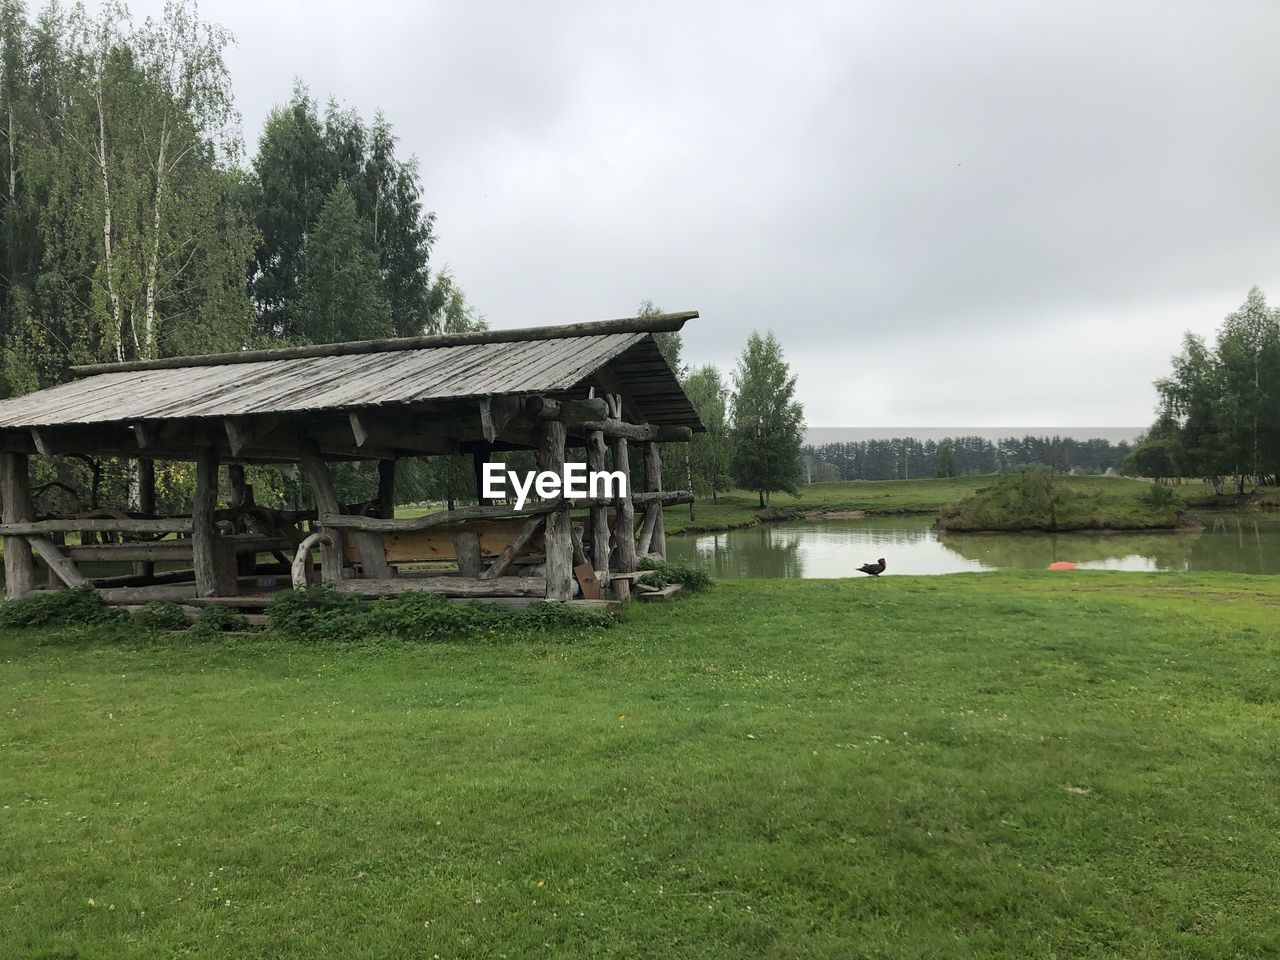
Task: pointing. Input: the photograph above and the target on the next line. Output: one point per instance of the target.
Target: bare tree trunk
(113, 295)
(153, 260)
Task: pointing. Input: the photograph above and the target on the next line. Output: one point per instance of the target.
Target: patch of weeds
(214, 621)
(662, 572)
(158, 617)
(317, 613)
(61, 608)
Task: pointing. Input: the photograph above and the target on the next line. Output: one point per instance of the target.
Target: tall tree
(340, 294)
(768, 422)
(710, 453)
(301, 158)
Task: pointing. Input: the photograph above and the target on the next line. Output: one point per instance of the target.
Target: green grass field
(995, 765)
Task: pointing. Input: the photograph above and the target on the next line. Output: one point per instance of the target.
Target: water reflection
(1239, 543)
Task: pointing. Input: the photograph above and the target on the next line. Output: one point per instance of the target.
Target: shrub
(59, 608)
(317, 613)
(1160, 497)
(662, 572)
(213, 621)
(160, 616)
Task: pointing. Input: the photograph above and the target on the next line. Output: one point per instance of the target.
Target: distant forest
(906, 458)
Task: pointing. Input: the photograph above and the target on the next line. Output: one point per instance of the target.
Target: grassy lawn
(995, 765)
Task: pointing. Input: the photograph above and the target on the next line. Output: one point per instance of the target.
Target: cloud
(961, 213)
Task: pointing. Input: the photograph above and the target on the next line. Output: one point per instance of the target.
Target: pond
(1239, 543)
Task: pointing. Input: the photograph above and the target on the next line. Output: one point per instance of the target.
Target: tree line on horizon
(1219, 413)
(909, 458)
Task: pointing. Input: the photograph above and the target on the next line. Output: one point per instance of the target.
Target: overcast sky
(952, 213)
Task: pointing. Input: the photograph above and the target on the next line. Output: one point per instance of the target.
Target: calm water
(1238, 543)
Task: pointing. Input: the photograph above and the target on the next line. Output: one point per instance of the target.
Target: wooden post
(387, 489)
(653, 483)
(600, 514)
(477, 470)
(557, 536)
(466, 547)
(332, 552)
(15, 490)
(241, 495)
(625, 530)
(146, 504)
(204, 535)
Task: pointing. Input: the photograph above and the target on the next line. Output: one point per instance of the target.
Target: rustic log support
(15, 491)
(213, 577)
(58, 562)
(146, 503)
(243, 432)
(652, 512)
(466, 548)
(653, 484)
(512, 549)
(495, 414)
(387, 489)
(573, 412)
(300, 571)
(557, 537)
(625, 531)
(332, 553)
(97, 525)
(599, 514)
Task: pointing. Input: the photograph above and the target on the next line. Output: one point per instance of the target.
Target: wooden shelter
(601, 386)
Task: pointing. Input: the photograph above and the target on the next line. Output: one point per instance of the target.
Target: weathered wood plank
(446, 517)
(97, 524)
(660, 323)
(449, 586)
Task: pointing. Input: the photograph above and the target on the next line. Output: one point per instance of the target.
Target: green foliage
(710, 453)
(61, 608)
(340, 295)
(160, 616)
(1038, 500)
(768, 423)
(318, 613)
(662, 572)
(1221, 403)
(945, 464)
(214, 621)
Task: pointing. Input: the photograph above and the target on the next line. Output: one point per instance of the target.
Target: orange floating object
(1062, 565)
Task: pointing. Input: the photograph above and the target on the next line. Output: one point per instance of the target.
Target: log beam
(204, 535)
(653, 484)
(599, 514)
(625, 530)
(557, 537)
(15, 492)
(332, 553)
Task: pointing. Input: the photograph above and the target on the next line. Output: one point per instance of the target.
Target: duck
(875, 569)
